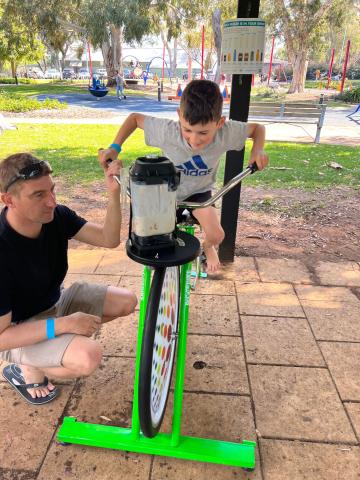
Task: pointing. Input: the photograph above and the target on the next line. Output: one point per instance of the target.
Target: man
(44, 329)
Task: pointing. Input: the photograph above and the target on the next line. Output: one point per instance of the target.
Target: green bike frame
(167, 444)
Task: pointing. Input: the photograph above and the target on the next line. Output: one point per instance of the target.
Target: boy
(194, 144)
(120, 84)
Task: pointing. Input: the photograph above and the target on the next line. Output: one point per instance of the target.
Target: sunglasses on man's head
(30, 172)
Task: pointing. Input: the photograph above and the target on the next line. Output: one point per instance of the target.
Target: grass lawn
(53, 88)
(72, 151)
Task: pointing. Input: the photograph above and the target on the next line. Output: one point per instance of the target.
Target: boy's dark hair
(201, 102)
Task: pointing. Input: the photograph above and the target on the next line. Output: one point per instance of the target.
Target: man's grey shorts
(80, 297)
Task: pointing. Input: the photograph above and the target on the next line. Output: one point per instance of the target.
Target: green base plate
(189, 448)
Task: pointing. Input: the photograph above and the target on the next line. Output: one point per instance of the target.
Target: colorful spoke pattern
(164, 343)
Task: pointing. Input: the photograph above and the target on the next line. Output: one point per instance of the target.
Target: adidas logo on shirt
(196, 167)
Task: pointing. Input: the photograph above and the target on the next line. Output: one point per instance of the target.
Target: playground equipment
(98, 88)
(163, 322)
(225, 94)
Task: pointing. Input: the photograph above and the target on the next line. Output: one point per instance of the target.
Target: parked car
(52, 73)
(69, 73)
(83, 73)
(100, 72)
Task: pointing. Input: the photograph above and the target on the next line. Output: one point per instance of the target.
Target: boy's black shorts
(197, 197)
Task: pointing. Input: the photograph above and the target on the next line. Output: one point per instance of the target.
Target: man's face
(200, 135)
(35, 200)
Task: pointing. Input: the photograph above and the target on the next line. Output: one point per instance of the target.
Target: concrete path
(280, 345)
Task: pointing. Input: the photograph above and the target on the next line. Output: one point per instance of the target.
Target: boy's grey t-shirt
(198, 170)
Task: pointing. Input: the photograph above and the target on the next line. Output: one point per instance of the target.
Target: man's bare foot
(34, 375)
(212, 260)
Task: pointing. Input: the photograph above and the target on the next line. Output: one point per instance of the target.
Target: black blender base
(186, 249)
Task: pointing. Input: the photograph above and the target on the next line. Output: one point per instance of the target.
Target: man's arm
(257, 133)
(24, 334)
(132, 122)
(107, 235)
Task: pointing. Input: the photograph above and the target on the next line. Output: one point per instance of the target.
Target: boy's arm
(132, 122)
(258, 156)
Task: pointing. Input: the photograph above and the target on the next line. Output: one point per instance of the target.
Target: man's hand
(79, 323)
(259, 157)
(104, 155)
(111, 167)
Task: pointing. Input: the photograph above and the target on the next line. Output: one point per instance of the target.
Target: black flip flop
(12, 373)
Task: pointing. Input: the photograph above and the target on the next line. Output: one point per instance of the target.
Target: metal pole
(345, 66)
(162, 76)
(239, 110)
(271, 59)
(202, 51)
(330, 68)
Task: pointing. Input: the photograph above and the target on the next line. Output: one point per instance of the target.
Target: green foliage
(11, 81)
(350, 96)
(18, 103)
(266, 93)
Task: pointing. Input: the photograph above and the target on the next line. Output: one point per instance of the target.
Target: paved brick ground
(281, 346)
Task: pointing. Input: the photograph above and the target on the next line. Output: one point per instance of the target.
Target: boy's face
(200, 135)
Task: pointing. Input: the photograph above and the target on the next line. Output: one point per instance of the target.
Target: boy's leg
(214, 235)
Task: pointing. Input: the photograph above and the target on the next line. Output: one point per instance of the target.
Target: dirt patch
(310, 226)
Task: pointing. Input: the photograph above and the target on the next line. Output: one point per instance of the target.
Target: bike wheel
(158, 348)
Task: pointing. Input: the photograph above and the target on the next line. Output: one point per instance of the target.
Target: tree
(18, 43)
(109, 23)
(300, 23)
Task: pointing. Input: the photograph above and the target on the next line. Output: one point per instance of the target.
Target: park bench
(292, 113)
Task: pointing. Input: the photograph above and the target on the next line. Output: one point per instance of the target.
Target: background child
(195, 144)
(120, 85)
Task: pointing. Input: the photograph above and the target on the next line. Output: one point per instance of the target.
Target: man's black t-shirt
(32, 270)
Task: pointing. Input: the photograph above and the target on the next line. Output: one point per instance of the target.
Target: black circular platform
(186, 250)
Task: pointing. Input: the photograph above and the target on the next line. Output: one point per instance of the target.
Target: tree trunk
(116, 42)
(299, 64)
(216, 24)
(106, 50)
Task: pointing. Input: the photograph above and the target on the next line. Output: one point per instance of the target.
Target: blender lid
(153, 170)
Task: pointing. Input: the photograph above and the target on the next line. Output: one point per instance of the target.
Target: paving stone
(280, 341)
(343, 360)
(325, 294)
(343, 273)
(283, 270)
(298, 403)
(77, 462)
(243, 269)
(221, 417)
(334, 320)
(215, 364)
(213, 286)
(26, 430)
(84, 261)
(309, 461)
(91, 278)
(165, 468)
(119, 336)
(353, 410)
(116, 262)
(12, 474)
(106, 393)
(268, 299)
(214, 314)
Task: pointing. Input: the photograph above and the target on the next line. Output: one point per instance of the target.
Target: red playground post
(202, 52)
(271, 59)
(345, 66)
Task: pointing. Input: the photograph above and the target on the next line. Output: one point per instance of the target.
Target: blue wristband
(50, 328)
(116, 147)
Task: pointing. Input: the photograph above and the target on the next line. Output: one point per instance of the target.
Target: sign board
(243, 46)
